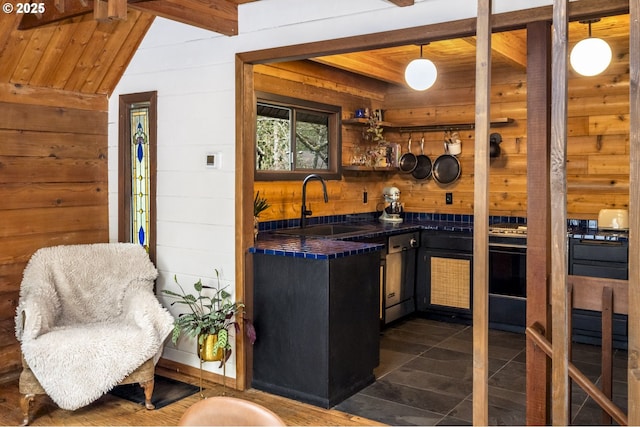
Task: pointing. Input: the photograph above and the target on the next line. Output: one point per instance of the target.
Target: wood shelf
(355, 168)
(365, 122)
(503, 121)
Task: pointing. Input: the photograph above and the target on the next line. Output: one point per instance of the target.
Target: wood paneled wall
(598, 149)
(53, 186)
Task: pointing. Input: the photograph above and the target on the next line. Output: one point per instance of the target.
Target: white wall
(193, 71)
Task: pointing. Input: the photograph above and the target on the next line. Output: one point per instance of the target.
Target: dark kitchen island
(316, 313)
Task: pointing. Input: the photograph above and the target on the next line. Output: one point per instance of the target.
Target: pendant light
(421, 73)
(591, 56)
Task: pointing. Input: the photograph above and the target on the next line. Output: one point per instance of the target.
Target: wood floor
(110, 410)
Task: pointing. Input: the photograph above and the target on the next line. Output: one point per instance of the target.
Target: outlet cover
(448, 198)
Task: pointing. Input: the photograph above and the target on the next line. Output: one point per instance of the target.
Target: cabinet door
(444, 281)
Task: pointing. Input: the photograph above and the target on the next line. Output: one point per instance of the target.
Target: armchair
(88, 320)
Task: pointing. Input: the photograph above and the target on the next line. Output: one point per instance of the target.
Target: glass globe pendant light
(421, 73)
(591, 56)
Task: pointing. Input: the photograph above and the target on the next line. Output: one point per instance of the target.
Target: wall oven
(507, 277)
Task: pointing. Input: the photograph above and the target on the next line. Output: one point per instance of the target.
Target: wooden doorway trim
(244, 100)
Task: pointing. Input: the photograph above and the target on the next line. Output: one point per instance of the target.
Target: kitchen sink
(328, 230)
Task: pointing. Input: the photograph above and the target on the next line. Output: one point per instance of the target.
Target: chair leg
(148, 392)
(25, 404)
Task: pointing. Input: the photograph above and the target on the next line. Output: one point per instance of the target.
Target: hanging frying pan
(423, 164)
(408, 161)
(446, 169)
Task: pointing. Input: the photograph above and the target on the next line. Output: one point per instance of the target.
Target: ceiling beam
(509, 46)
(62, 9)
(220, 16)
(366, 64)
(65, 9)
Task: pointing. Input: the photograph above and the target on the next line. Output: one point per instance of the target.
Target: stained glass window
(140, 178)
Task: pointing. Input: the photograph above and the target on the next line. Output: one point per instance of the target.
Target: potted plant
(209, 318)
(259, 205)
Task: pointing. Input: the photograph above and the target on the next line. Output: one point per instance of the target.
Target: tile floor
(425, 377)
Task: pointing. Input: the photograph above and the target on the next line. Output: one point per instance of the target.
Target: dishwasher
(398, 271)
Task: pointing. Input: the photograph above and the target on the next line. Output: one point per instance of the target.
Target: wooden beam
(440, 31)
(402, 3)
(65, 9)
(514, 49)
(538, 215)
(220, 16)
(508, 46)
(633, 375)
(559, 298)
(481, 215)
(364, 63)
(109, 10)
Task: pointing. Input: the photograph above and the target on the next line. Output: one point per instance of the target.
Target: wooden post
(607, 349)
(538, 215)
(481, 218)
(558, 179)
(633, 376)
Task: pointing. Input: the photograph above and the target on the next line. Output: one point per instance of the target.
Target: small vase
(205, 350)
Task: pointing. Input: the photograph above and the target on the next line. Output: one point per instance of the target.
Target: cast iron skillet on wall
(446, 168)
(423, 166)
(408, 161)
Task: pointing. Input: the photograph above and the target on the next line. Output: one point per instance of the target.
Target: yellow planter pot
(205, 350)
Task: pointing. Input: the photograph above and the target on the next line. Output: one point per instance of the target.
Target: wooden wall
(53, 186)
(598, 152)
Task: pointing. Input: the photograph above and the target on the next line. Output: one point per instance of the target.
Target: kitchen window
(295, 138)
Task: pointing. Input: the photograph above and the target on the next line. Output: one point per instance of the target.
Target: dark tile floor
(425, 377)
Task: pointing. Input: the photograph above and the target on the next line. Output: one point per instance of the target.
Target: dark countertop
(368, 239)
(309, 247)
(348, 244)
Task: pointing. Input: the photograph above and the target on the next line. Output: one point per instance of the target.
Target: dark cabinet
(318, 326)
(597, 258)
(444, 275)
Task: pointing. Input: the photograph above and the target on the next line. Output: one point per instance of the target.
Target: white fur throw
(90, 318)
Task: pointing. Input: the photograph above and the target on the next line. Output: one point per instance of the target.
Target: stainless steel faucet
(304, 212)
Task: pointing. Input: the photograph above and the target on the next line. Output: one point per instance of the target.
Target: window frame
(126, 103)
(334, 112)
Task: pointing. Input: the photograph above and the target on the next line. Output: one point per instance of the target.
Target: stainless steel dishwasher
(399, 266)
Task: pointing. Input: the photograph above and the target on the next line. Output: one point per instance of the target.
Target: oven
(507, 277)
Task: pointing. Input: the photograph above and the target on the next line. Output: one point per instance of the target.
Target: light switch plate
(214, 160)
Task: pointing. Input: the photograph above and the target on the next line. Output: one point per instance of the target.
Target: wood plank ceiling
(66, 48)
(454, 55)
